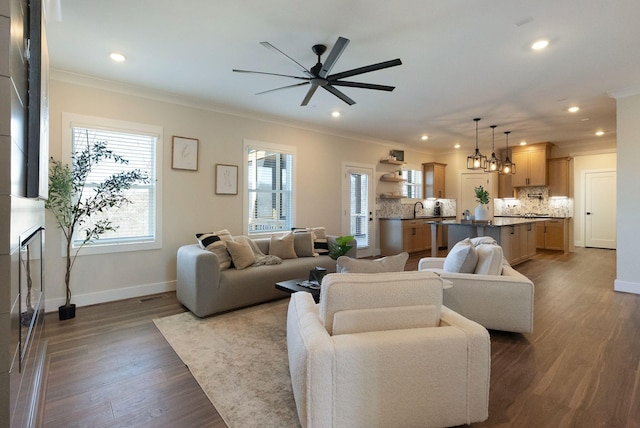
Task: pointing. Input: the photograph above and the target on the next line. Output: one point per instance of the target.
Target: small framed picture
(226, 179)
(184, 153)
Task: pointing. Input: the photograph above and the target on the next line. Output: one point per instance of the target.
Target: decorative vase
(482, 212)
(66, 312)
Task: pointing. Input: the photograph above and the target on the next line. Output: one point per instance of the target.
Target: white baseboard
(51, 305)
(626, 286)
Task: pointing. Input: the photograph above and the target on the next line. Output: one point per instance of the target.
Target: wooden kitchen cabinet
(505, 186)
(531, 165)
(397, 235)
(553, 235)
(518, 242)
(558, 169)
(433, 179)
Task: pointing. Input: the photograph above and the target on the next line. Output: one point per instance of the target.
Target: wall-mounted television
(38, 106)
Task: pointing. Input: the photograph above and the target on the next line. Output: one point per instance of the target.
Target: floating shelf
(392, 162)
(392, 179)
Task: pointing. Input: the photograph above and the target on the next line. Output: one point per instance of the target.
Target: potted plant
(341, 247)
(76, 211)
(482, 197)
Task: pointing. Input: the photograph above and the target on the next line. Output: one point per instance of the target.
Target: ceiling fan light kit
(476, 160)
(318, 75)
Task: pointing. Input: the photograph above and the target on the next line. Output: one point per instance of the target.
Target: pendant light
(493, 164)
(507, 166)
(476, 161)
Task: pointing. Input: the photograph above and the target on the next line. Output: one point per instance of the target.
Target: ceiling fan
(318, 76)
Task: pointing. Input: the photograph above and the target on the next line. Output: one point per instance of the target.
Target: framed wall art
(226, 179)
(184, 154)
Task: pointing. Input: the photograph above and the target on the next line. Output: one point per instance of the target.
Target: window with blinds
(137, 222)
(359, 211)
(412, 187)
(269, 190)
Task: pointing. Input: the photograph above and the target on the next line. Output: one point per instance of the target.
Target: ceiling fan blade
(363, 85)
(310, 92)
(270, 74)
(335, 53)
(300, 66)
(339, 94)
(283, 87)
(366, 69)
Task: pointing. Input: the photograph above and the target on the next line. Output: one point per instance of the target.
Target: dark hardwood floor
(110, 366)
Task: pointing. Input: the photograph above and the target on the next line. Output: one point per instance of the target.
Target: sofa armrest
(197, 279)
(431, 263)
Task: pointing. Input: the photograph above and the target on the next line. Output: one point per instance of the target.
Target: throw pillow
(482, 240)
(212, 242)
(303, 244)
(462, 258)
(282, 247)
(241, 254)
(386, 264)
(489, 259)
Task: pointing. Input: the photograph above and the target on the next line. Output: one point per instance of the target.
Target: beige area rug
(240, 361)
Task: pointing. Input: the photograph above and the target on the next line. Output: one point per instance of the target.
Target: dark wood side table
(291, 286)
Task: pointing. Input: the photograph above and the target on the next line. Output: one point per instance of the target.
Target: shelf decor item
(482, 210)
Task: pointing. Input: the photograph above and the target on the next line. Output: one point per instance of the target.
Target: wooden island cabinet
(410, 235)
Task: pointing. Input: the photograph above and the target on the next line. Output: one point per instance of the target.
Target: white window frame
(71, 120)
(261, 145)
(416, 185)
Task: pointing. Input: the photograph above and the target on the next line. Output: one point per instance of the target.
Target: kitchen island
(516, 236)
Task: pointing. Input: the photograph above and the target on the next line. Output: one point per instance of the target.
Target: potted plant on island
(341, 247)
(482, 210)
(76, 211)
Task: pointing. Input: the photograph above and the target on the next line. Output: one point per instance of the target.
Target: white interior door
(600, 209)
(358, 207)
(467, 196)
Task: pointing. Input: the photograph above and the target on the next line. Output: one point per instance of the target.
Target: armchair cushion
(381, 319)
(489, 259)
(462, 258)
(345, 292)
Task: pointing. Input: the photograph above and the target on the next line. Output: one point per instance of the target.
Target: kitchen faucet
(415, 206)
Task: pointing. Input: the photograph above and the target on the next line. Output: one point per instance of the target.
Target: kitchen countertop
(496, 222)
(422, 217)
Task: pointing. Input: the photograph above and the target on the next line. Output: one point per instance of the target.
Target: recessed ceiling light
(335, 114)
(600, 133)
(574, 109)
(457, 146)
(523, 143)
(424, 137)
(117, 57)
(540, 44)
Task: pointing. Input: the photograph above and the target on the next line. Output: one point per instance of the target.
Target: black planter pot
(66, 312)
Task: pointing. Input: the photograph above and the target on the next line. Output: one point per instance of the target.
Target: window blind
(136, 221)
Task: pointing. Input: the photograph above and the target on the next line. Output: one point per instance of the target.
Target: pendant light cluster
(477, 161)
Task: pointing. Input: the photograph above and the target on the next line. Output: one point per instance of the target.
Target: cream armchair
(498, 302)
(380, 350)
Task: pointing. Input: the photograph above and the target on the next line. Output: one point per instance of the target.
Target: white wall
(190, 202)
(581, 164)
(628, 196)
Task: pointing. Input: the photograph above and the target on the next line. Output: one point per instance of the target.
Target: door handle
(588, 213)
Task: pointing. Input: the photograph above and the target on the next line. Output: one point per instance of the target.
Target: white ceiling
(461, 59)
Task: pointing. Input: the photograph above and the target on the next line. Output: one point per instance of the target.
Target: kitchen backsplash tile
(534, 200)
(403, 208)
